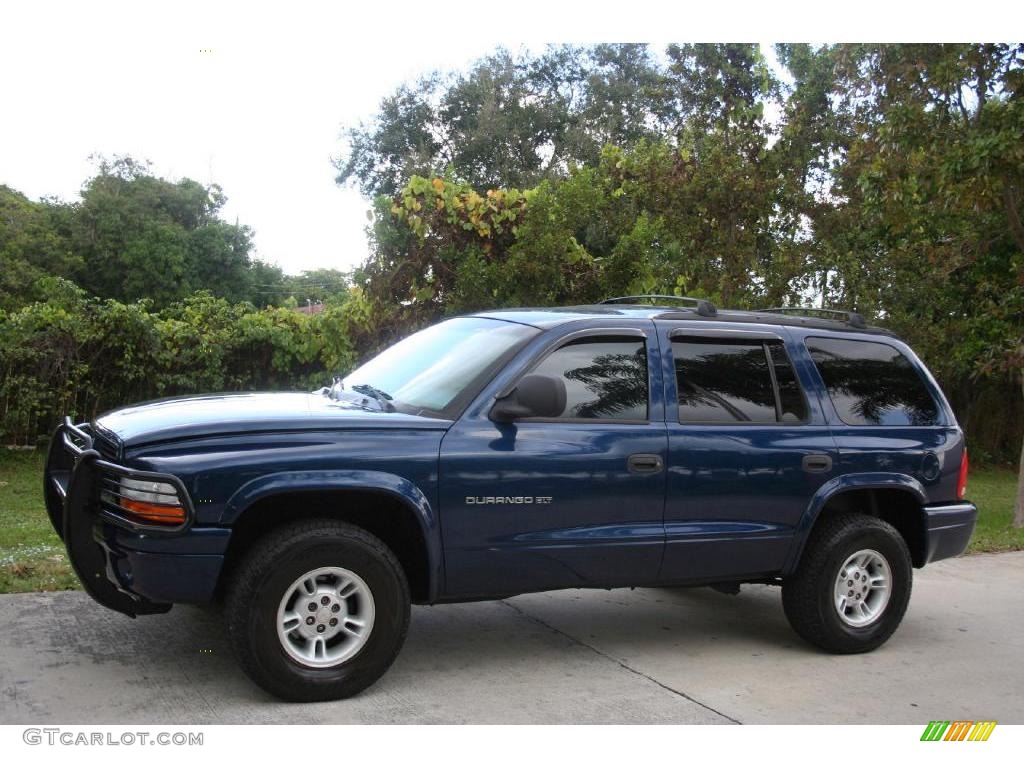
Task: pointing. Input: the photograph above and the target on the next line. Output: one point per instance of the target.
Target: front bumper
(948, 529)
(127, 567)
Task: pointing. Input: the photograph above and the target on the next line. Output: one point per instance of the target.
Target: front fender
(841, 484)
(403, 489)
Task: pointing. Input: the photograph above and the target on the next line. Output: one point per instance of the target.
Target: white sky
(262, 113)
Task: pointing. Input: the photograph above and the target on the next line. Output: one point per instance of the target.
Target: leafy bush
(81, 356)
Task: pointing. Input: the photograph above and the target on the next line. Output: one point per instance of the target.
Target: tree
(934, 162)
(140, 236)
(316, 286)
(888, 183)
(132, 236)
(510, 121)
(33, 244)
(723, 88)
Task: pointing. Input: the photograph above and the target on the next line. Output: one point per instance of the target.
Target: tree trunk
(1013, 214)
(1018, 510)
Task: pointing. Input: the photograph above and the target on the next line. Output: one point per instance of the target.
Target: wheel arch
(896, 498)
(390, 507)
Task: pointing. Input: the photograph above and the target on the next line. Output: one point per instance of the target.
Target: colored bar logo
(958, 730)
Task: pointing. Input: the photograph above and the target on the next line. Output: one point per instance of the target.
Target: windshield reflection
(431, 369)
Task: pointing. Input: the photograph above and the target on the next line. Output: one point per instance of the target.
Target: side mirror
(534, 395)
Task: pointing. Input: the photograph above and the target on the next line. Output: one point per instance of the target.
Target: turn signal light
(160, 514)
(147, 501)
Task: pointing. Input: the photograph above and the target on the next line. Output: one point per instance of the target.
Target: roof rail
(853, 319)
(704, 308)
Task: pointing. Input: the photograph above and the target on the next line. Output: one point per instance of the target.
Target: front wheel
(317, 611)
(852, 587)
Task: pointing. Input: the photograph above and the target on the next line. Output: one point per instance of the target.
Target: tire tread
(241, 590)
(801, 591)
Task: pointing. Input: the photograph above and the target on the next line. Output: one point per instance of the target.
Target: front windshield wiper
(382, 397)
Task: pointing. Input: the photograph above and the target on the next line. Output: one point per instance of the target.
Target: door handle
(816, 462)
(645, 463)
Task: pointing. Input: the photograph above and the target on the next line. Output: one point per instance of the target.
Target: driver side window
(605, 378)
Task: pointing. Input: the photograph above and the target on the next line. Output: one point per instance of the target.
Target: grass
(32, 558)
(993, 491)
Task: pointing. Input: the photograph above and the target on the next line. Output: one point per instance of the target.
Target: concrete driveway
(643, 656)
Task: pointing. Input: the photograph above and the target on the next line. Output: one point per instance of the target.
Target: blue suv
(644, 441)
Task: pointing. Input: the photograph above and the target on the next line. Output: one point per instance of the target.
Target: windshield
(430, 369)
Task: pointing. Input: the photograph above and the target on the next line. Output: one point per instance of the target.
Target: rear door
(887, 415)
(576, 500)
(748, 448)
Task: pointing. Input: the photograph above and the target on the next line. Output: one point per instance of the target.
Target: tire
(357, 583)
(868, 548)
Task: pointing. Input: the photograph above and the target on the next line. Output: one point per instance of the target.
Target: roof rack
(853, 319)
(704, 308)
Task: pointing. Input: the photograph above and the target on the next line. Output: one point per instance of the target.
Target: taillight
(961, 481)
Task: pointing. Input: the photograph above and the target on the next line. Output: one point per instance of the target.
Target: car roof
(549, 317)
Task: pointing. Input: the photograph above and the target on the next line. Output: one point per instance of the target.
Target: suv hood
(203, 415)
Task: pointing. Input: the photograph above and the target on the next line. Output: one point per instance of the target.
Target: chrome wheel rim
(862, 589)
(325, 617)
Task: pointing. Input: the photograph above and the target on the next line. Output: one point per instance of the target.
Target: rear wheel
(852, 587)
(318, 610)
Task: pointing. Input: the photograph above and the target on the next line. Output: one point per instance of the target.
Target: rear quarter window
(872, 384)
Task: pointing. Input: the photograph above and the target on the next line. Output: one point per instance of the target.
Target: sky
(261, 120)
(255, 97)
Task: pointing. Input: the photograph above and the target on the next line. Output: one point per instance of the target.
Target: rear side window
(605, 378)
(872, 384)
(729, 381)
(792, 406)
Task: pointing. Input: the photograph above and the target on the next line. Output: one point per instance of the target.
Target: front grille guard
(78, 442)
(74, 472)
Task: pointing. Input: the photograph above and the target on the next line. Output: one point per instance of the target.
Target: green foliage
(993, 490)
(80, 356)
(33, 244)
(925, 225)
(144, 237)
(315, 286)
(723, 88)
(439, 247)
(512, 121)
(690, 218)
(132, 236)
(883, 178)
(891, 182)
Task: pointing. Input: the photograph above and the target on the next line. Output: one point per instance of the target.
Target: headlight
(147, 490)
(148, 501)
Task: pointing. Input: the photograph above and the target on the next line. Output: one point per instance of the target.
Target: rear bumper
(948, 529)
(128, 568)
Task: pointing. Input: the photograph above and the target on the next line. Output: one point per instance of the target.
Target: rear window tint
(872, 384)
(730, 381)
(793, 406)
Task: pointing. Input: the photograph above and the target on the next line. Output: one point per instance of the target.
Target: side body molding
(887, 481)
(401, 488)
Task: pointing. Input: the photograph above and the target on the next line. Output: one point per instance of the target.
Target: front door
(576, 500)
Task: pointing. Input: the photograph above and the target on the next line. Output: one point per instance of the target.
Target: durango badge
(508, 499)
